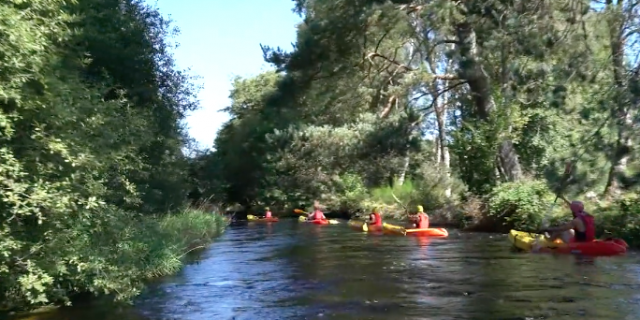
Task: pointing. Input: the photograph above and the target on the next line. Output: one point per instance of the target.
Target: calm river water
(289, 270)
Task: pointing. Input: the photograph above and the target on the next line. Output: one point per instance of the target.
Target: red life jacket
(377, 220)
(589, 227)
(267, 214)
(317, 215)
(423, 221)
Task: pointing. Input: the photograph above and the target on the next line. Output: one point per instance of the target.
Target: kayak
(427, 232)
(526, 241)
(358, 225)
(253, 218)
(319, 222)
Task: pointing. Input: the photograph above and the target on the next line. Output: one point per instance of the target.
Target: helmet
(576, 207)
(420, 209)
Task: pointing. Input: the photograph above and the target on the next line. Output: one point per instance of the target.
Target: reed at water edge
(180, 234)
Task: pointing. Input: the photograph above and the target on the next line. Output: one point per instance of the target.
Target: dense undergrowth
(115, 259)
(526, 205)
(91, 151)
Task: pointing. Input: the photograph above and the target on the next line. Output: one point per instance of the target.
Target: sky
(221, 39)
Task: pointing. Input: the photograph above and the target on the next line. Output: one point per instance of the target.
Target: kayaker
(420, 220)
(267, 213)
(374, 218)
(317, 213)
(580, 229)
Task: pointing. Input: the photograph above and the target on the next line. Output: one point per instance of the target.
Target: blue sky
(220, 39)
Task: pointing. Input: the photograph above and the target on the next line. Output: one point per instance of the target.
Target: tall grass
(112, 254)
(177, 235)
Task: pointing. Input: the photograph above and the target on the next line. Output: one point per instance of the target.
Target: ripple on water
(297, 271)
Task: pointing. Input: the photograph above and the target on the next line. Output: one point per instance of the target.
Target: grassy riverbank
(524, 205)
(116, 260)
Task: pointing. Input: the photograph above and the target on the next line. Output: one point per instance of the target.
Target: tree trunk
(620, 110)
(442, 151)
(471, 70)
(403, 173)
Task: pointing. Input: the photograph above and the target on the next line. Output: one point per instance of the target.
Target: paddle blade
(302, 219)
(365, 227)
(298, 211)
(251, 217)
(334, 221)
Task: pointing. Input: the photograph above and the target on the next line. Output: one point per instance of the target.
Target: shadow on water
(290, 270)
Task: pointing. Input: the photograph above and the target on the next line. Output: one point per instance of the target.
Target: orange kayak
(428, 232)
(318, 222)
(253, 218)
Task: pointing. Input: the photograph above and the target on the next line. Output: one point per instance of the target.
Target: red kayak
(531, 242)
(595, 248)
(319, 221)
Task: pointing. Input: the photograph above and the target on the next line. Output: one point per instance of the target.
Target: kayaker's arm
(567, 226)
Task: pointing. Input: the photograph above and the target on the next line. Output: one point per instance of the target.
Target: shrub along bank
(92, 140)
(524, 205)
(115, 259)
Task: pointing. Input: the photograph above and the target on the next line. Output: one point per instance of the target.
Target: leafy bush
(621, 219)
(520, 205)
(112, 255)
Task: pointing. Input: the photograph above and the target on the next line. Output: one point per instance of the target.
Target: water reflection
(290, 270)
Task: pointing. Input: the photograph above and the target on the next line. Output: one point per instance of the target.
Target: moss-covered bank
(115, 261)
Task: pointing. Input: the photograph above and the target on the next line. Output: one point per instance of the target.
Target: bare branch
(439, 93)
(411, 8)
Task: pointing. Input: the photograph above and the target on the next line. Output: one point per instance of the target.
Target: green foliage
(621, 219)
(464, 100)
(91, 139)
(113, 255)
(521, 205)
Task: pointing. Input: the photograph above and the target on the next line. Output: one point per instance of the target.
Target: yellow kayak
(360, 225)
(525, 240)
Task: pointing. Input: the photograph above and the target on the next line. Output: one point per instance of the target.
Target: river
(290, 270)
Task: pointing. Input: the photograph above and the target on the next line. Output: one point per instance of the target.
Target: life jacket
(377, 220)
(267, 214)
(317, 215)
(422, 221)
(589, 233)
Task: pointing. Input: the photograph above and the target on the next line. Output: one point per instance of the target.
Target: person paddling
(317, 213)
(267, 213)
(580, 229)
(374, 218)
(420, 220)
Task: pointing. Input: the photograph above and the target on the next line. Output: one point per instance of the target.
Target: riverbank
(525, 205)
(116, 260)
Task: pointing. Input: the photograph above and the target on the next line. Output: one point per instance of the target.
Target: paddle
(545, 222)
(406, 210)
(565, 178)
